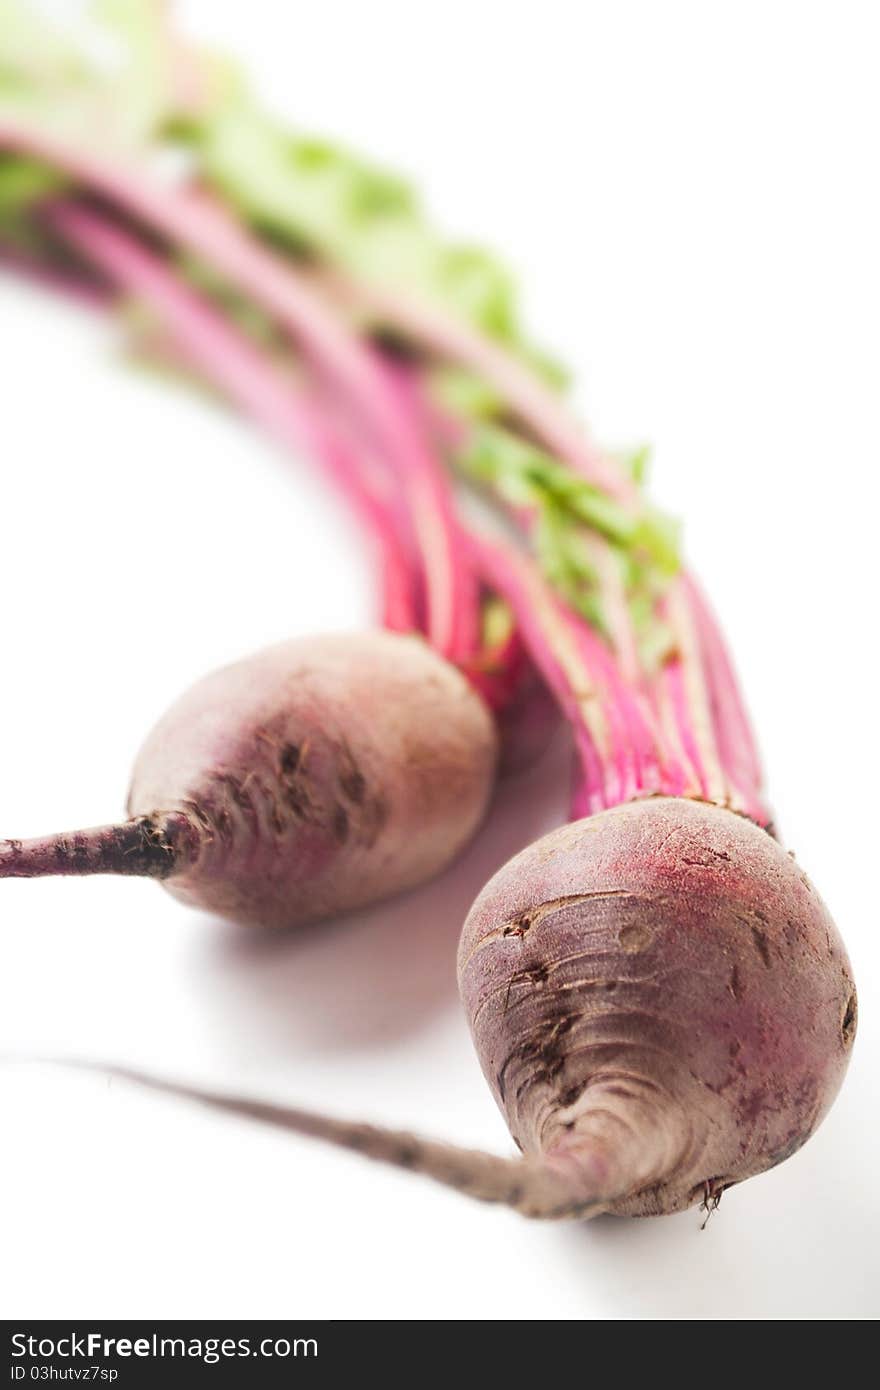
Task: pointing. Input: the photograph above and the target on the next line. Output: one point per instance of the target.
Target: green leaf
(244, 313)
(497, 621)
(463, 394)
(317, 197)
(566, 507)
(23, 182)
(636, 463)
(659, 536)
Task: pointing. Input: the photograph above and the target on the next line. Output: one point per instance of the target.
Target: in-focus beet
(658, 995)
(662, 1007)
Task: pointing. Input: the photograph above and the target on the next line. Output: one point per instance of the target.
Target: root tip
(145, 847)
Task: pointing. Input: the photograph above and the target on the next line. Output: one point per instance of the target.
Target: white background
(686, 191)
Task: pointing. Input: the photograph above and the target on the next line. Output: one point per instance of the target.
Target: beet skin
(660, 1001)
(315, 777)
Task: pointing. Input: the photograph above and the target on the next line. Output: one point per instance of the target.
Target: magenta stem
(683, 733)
(534, 404)
(240, 371)
(192, 221)
(732, 733)
(608, 720)
(74, 285)
(706, 748)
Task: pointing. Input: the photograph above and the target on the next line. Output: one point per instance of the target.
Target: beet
(312, 778)
(660, 999)
(661, 1005)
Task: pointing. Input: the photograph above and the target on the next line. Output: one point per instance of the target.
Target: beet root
(662, 1007)
(315, 777)
(660, 1002)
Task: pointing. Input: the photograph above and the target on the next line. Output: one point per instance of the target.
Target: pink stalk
(190, 220)
(450, 541)
(696, 691)
(614, 605)
(705, 744)
(625, 751)
(452, 435)
(652, 767)
(643, 761)
(240, 371)
(686, 686)
(674, 693)
(535, 405)
(71, 283)
(582, 675)
(398, 607)
(733, 731)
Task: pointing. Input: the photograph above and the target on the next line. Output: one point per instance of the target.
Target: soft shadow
(381, 974)
(798, 1242)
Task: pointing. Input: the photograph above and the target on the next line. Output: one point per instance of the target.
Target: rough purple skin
(661, 1005)
(660, 1002)
(315, 777)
